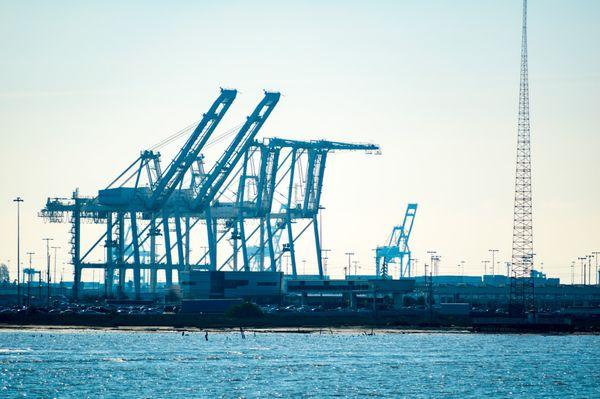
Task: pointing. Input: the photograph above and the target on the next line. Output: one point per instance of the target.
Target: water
(167, 365)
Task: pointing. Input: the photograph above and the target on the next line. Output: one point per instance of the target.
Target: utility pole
(29, 278)
(572, 272)
(48, 268)
(494, 252)
(18, 200)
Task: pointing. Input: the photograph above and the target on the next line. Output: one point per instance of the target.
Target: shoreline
(263, 330)
(349, 330)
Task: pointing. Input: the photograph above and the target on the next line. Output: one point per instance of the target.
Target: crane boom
(321, 144)
(217, 176)
(191, 149)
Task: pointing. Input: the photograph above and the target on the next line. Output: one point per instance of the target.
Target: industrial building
(349, 290)
(257, 286)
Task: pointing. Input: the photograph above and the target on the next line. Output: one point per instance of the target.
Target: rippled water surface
(168, 365)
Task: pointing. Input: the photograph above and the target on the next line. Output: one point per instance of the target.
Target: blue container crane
(397, 249)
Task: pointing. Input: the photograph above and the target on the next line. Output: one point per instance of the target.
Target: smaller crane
(397, 248)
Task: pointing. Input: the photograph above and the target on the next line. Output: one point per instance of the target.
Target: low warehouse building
(257, 286)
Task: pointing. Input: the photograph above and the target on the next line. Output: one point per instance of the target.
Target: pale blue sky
(85, 86)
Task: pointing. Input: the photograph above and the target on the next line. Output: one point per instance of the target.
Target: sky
(85, 86)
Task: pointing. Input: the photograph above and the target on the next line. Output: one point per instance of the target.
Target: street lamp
(18, 200)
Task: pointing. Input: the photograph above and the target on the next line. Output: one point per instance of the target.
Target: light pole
(47, 268)
(355, 263)
(431, 256)
(590, 269)
(582, 270)
(325, 259)
(349, 270)
(493, 251)
(18, 200)
(435, 266)
(596, 253)
(29, 278)
(572, 272)
(54, 273)
(485, 263)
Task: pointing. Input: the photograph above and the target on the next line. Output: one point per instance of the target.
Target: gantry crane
(397, 248)
(233, 198)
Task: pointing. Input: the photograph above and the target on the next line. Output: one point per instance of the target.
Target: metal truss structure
(397, 250)
(246, 211)
(522, 281)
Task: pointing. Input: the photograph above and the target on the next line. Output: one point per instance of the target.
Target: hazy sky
(85, 86)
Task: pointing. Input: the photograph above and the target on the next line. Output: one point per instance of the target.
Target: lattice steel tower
(522, 288)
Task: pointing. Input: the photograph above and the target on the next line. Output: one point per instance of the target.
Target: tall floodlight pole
(325, 253)
(590, 269)
(582, 273)
(494, 252)
(349, 254)
(29, 278)
(54, 271)
(47, 268)
(431, 259)
(596, 253)
(485, 263)
(521, 287)
(18, 200)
